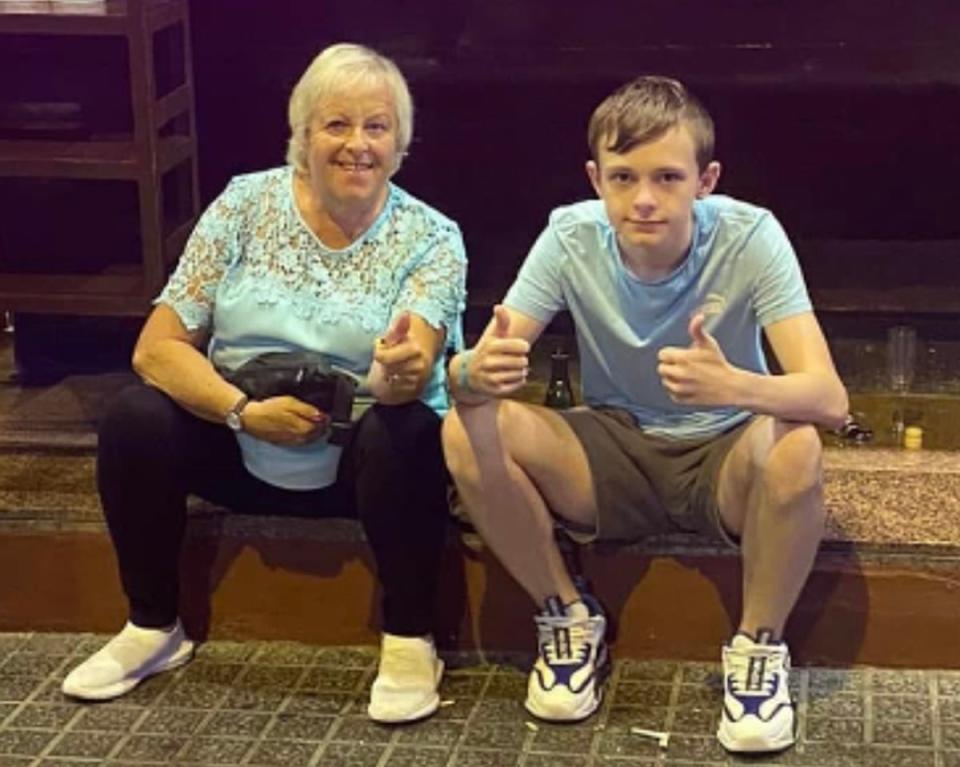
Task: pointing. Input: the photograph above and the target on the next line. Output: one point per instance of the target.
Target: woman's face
(352, 146)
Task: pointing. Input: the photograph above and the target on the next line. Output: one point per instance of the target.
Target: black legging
(152, 453)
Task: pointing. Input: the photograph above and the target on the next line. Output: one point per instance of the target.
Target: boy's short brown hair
(643, 110)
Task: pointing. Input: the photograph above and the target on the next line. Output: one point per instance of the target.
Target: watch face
(234, 422)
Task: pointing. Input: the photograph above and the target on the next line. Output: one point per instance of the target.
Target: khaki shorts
(647, 485)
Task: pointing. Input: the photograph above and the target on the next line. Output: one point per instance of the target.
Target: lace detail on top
(252, 239)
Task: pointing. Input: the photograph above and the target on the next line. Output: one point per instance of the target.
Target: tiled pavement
(260, 703)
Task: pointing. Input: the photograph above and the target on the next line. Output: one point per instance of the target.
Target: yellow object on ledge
(913, 438)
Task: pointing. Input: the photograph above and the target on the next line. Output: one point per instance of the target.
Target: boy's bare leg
(770, 493)
(511, 462)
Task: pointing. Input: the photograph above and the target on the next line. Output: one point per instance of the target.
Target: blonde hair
(340, 68)
(643, 110)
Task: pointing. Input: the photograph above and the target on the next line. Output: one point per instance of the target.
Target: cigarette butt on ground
(447, 702)
(662, 738)
(532, 727)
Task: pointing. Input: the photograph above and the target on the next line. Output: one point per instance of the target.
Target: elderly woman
(327, 255)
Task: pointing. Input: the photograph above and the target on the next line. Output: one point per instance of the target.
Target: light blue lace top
(256, 275)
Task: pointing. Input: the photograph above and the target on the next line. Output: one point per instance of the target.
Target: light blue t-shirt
(741, 271)
(257, 276)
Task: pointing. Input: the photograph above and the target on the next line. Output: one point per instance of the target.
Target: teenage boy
(684, 427)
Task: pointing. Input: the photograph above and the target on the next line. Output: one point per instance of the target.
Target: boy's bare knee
(792, 470)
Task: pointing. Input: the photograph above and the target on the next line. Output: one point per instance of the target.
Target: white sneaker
(406, 685)
(126, 660)
(566, 683)
(758, 714)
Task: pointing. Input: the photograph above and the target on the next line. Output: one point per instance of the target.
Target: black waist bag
(308, 376)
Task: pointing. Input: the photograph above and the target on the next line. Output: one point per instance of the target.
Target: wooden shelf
(118, 293)
(109, 18)
(915, 300)
(86, 159)
(144, 156)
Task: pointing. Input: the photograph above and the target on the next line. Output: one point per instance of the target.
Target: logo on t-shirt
(713, 306)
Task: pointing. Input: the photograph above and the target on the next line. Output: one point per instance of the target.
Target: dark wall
(842, 116)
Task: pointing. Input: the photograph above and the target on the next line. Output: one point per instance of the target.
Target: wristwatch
(233, 417)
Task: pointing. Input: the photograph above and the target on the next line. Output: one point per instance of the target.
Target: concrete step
(885, 591)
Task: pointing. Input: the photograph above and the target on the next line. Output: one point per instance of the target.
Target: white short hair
(337, 69)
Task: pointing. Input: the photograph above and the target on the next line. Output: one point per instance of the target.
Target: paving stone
(564, 738)
(362, 730)
(53, 644)
(286, 654)
(6, 709)
(281, 753)
(467, 757)
(825, 681)
(108, 717)
(948, 684)
(950, 736)
(404, 756)
(840, 706)
(186, 694)
(351, 755)
(44, 715)
(299, 727)
(643, 694)
(555, 760)
(900, 682)
(227, 652)
(878, 756)
(458, 685)
(347, 657)
(31, 664)
(215, 751)
(11, 642)
(91, 745)
(433, 733)
(497, 735)
(509, 686)
(237, 724)
(17, 688)
(314, 702)
(919, 733)
(24, 742)
(835, 730)
(655, 671)
(159, 748)
(897, 708)
(212, 672)
(290, 704)
(333, 679)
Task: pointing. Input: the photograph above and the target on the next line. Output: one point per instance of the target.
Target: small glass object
(559, 391)
(901, 356)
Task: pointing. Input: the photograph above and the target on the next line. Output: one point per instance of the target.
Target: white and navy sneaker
(566, 683)
(758, 714)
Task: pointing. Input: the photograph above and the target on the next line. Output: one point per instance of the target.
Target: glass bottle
(559, 391)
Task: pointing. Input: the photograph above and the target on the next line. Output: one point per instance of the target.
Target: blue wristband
(463, 375)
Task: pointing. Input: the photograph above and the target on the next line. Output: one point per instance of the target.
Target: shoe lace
(755, 672)
(563, 640)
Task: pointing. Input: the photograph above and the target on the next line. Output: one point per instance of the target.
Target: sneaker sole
(603, 671)
(578, 716)
(182, 656)
(756, 745)
(427, 710)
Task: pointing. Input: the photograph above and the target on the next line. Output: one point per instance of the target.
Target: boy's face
(648, 193)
